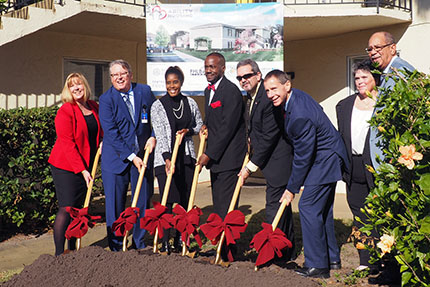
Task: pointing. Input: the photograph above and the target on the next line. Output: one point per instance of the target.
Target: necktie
(247, 115)
(211, 87)
(131, 112)
(129, 106)
(247, 121)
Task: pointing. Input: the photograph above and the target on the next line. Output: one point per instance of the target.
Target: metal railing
(405, 5)
(141, 3)
(13, 5)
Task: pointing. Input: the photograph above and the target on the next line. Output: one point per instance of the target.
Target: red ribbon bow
(268, 243)
(186, 223)
(126, 220)
(211, 87)
(216, 104)
(156, 218)
(233, 225)
(81, 220)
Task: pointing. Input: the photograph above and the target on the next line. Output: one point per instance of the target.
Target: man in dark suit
(318, 162)
(124, 116)
(382, 50)
(269, 149)
(226, 145)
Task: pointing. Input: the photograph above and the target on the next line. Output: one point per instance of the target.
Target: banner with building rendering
(184, 34)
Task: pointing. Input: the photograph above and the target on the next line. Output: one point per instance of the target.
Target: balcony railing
(405, 5)
(140, 3)
(13, 5)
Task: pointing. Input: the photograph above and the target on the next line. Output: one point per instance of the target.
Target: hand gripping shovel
(81, 219)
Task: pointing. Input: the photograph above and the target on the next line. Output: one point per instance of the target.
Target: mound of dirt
(94, 266)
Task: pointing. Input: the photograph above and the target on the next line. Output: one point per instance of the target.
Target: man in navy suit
(226, 145)
(270, 151)
(319, 157)
(124, 116)
(382, 51)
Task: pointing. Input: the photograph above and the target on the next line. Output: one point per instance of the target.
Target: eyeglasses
(117, 75)
(246, 76)
(377, 48)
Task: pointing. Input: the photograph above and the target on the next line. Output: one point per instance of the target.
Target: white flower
(386, 243)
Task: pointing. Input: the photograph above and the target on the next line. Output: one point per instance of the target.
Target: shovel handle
(178, 141)
(196, 173)
(140, 179)
(279, 214)
(231, 208)
(137, 192)
(93, 174)
(90, 188)
(238, 186)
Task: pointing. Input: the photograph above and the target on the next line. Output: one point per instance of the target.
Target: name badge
(144, 117)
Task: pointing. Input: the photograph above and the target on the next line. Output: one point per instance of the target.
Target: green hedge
(27, 194)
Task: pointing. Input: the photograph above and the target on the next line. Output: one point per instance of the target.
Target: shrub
(399, 206)
(27, 195)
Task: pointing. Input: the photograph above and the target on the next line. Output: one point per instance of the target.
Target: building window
(351, 61)
(96, 72)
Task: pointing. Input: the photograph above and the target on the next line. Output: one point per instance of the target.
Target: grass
(8, 274)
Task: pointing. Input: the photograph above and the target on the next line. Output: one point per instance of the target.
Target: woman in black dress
(78, 136)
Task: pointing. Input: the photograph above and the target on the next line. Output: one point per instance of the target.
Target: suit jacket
(386, 83)
(226, 143)
(71, 150)
(271, 151)
(119, 129)
(319, 152)
(344, 113)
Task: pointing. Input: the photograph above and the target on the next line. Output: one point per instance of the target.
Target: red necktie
(211, 87)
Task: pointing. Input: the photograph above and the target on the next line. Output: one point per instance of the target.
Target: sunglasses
(246, 76)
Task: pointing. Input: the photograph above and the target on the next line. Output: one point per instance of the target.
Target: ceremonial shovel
(269, 242)
(197, 170)
(136, 193)
(178, 141)
(239, 184)
(89, 189)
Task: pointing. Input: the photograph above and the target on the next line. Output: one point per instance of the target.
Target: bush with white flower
(399, 206)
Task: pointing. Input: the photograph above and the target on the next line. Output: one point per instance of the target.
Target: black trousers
(356, 195)
(223, 185)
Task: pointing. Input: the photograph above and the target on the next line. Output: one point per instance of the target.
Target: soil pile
(94, 266)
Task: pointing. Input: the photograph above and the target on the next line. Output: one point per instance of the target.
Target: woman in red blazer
(78, 136)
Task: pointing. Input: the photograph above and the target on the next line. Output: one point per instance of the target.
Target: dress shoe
(177, 245)
(335, 265)
(385, 278)
(165, 248)
(313, 272)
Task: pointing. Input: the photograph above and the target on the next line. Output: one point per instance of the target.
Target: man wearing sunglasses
(269, 149)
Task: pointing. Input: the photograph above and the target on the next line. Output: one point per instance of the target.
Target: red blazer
(72, 149)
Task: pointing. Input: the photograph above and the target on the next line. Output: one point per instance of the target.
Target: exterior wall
(37, 77)
(214, 33)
